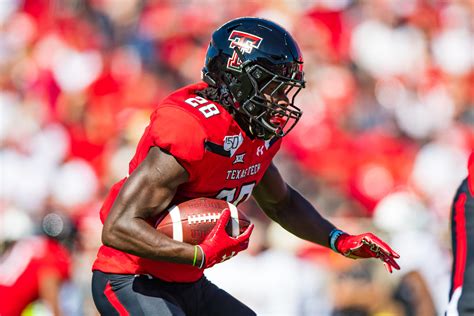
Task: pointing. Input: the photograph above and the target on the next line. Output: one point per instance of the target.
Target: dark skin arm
(145, 194)
(288, 208)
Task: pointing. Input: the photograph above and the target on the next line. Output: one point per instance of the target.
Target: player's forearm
(137, 237)
(299, 217)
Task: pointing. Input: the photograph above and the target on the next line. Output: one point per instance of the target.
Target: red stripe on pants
(461, 241)
(113, 299)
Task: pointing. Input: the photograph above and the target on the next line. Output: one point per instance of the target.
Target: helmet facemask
(266, 98)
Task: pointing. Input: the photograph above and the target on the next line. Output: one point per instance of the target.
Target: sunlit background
(382, 145)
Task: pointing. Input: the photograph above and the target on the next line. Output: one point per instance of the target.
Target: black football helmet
(261, 66)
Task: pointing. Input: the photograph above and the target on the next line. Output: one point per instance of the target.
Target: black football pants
(125, 294)
(461, 295)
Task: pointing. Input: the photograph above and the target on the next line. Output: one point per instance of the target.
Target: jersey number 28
(206, 107)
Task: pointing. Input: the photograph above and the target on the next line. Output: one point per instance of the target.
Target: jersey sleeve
(179, 133)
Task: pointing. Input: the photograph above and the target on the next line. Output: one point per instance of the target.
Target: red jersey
(21, 268)
(222, 162)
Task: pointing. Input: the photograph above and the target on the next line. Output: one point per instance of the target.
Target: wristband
(203, 257)
(333, 236)
(195, 255)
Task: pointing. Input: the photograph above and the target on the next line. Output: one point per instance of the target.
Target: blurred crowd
(383, 143)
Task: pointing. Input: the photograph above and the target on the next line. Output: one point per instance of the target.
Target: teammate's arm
(293, 212)
(146, 193)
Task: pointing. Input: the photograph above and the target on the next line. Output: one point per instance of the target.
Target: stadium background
(382, 145)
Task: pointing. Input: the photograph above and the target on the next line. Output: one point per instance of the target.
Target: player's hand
(367, 246)
(218, 246)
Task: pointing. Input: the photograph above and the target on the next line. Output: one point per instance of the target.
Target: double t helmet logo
(245, 42)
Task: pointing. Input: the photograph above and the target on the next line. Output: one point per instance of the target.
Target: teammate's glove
(364, 246)
(218, 246)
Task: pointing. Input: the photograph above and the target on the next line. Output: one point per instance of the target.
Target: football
(191, 221)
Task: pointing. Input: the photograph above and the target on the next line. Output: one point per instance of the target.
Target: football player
(461, 295)
(216, 138)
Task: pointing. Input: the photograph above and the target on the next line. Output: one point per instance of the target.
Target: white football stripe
(234, 214)
(175, 214)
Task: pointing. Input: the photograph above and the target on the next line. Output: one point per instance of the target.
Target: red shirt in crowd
(23, 266)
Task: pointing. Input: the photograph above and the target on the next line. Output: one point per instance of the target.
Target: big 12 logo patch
(245, 42)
